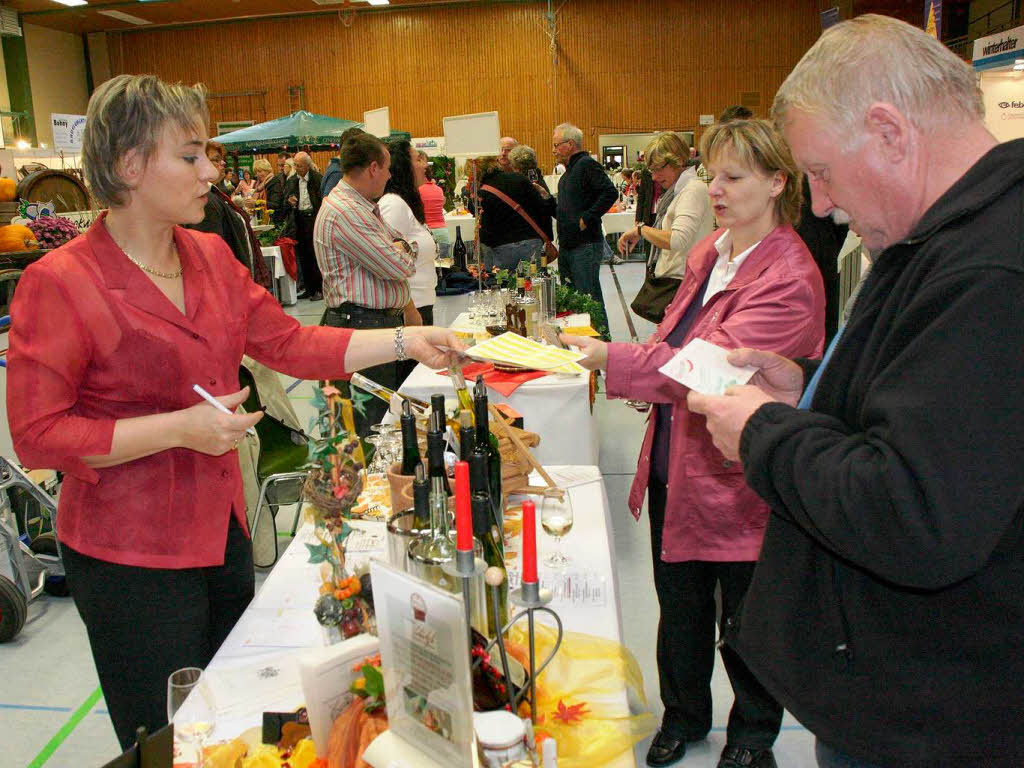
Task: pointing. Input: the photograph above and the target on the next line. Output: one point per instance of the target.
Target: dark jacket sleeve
(604, 193)
(275, 198)
(920, 489)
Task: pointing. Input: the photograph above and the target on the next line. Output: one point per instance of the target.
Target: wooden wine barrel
(64, 190)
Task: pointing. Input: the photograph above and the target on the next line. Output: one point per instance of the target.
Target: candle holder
(465, 567)
(533, 599)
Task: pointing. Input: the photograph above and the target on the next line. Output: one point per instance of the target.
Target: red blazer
(776, 301)
(93, 340)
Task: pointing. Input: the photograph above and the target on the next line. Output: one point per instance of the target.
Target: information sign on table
(425, 661)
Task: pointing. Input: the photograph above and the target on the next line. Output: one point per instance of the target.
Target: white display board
(377, 122)
(67, 130)
(1003, 96)
(472, 135)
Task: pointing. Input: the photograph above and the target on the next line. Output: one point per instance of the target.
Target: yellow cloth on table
(603, 677)
(581, 330)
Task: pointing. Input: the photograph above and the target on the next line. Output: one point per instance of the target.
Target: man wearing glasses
(585, 193)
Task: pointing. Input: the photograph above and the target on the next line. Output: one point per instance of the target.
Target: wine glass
(556, 519)
(190, 708)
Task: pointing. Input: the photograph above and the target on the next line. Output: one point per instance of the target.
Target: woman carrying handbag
(683, 218)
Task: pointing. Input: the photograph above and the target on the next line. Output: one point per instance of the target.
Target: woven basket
(318, 492)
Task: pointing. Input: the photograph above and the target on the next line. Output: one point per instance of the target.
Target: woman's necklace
(157, 272)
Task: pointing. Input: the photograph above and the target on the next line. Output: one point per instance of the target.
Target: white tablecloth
(255, 670)
(613, 223)
(555, 407)
(285, 285)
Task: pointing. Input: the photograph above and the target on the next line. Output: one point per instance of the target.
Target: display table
(613, 223)
(556, 407)
(255, 670)
(286, 289)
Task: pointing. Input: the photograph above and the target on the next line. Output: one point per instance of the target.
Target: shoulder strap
(518, 209)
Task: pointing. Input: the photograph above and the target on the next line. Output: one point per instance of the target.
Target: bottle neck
(438, 507)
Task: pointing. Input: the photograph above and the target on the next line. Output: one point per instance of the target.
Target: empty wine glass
(556, 519)
(377, 465)
(190, 707)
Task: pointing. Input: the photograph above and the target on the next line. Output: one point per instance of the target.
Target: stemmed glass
(190, 708)
(377, 465)
(556, 519)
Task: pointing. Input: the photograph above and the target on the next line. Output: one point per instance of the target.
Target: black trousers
(686, 645)
(388, 375)
(144, 623)
(314, 281)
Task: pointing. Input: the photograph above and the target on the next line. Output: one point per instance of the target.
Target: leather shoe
(741, 757)
(302, 295)
(665, 750)
(318, 296)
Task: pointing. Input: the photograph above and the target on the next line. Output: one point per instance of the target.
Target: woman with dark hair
(402, 208)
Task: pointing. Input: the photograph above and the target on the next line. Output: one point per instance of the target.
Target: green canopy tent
(299, 130)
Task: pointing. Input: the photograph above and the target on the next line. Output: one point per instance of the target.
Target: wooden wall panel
(638, 66)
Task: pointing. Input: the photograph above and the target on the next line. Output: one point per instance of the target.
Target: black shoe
(741, 757)
(318, 296)
(302, 295)
(665, 750)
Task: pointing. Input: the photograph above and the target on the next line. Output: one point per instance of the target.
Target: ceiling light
(21, 144)
(378, 2)
(126, 17)
(71, 2)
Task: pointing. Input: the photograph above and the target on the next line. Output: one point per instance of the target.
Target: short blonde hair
(128, 112)
(523, 158)
(262, 165)
(487, 164)
(668, 148)
(759, 147)
(873, 59)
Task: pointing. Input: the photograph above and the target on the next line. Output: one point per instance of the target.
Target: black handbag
(654, 296)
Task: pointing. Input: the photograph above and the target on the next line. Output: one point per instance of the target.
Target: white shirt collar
(725, 270)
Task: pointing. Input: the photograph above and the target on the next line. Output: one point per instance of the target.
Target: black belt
(347, 309)
(306, 213)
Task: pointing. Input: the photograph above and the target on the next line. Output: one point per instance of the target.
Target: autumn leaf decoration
(572, 714)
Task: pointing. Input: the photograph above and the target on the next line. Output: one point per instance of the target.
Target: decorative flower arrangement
(53, 231)
(369, 687)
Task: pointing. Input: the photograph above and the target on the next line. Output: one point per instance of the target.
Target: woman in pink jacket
(751, 283)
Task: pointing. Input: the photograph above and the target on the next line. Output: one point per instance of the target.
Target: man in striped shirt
(366, 264)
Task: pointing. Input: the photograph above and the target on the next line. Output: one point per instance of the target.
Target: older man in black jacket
(886, 611)
(303, 198)
(585, 193)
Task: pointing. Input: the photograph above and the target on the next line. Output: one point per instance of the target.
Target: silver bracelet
(400, 344)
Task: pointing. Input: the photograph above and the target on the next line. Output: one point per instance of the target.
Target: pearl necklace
(157, 272)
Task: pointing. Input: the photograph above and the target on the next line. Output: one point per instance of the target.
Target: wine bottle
(437, 406)
(479, 485)
(421, 500)
(459, 252)
(489, 537)
(458, 380)
(368, 385)
(435, 454)
(487, 444)
(439, 547)
(410, 443)
(467, 437)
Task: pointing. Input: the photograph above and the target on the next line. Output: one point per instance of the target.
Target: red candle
(529, 542)
(463, 509)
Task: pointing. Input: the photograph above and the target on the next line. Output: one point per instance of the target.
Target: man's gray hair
(873, 59)
(571, 133)
(128, 112)
(523, 158)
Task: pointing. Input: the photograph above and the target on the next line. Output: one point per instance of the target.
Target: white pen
(218, 405)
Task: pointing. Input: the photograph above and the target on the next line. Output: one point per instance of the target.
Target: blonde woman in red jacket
(751, 283)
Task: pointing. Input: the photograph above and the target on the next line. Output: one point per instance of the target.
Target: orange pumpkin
(8, 190)
(17, 237)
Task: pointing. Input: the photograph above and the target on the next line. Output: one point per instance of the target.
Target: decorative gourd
(17, 237)
(8, 190)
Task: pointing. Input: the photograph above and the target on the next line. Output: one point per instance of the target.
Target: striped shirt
(357, 253)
